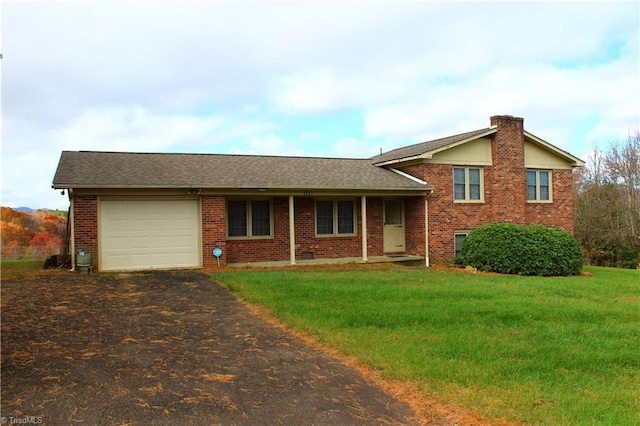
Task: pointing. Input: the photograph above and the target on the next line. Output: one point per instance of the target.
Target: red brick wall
(214, 229)
(559, 213)
(445, 216)
(264, 249)
(324, 247)
(508, 174)
(375, 220)
(85, 226)
(414, 225)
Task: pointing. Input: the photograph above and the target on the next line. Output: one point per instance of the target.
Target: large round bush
(521, 249)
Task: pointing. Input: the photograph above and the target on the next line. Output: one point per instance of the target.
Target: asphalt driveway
(166, 348)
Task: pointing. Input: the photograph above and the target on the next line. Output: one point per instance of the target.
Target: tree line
(607, 205)
(35, 235)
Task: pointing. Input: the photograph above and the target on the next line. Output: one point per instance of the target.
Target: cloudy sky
(335, 79)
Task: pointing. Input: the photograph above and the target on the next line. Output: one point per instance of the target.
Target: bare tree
(607, 204)
(623, 165)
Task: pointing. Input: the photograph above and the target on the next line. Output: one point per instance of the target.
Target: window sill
(267, 237)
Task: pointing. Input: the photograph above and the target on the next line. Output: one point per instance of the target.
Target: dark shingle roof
(424, 147)
(89, 169)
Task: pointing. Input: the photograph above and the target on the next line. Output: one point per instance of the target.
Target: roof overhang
(114, 191)
(429, 154)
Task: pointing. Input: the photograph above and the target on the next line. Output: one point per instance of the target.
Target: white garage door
(138, 234)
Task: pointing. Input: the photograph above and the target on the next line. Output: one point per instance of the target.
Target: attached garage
(149, 234)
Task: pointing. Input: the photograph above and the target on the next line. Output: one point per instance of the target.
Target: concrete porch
(343, 260)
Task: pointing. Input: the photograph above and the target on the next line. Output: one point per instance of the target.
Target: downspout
(292, 231)
(426, 229)
(72, 238)
(363, 215)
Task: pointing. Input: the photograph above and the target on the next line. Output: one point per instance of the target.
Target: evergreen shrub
(521, 249)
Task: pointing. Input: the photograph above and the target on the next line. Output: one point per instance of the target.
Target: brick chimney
(509, 176)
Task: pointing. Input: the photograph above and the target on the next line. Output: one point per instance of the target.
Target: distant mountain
(25, 209)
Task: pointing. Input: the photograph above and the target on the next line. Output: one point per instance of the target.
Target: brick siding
(214, 229)
(414, 225)
(85, 221)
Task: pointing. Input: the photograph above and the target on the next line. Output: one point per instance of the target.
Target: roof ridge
(221, 155)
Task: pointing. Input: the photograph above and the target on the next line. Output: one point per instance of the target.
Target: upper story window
(467, 184)
(538, 185)
(335, 217)
(249, 218)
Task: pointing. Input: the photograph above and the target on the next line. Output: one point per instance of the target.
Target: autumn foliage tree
(34, 235)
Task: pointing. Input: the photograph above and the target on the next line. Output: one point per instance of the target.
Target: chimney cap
(507, 117)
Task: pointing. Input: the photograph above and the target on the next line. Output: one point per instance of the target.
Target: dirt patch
(167, 348)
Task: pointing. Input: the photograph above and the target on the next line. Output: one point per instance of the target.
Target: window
(467, 184)
(249, 218)
(538, 185)
(335, 217)
(458, 241)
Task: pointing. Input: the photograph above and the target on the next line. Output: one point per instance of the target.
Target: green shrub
(521, 249)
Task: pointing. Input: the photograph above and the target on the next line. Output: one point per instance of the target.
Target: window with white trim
(335, 217)
(467, 184)
(538, 185)
(458, 241)
(249, 219)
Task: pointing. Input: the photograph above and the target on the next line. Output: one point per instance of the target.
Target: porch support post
(292, 231)
(426, 230)
(363, 220)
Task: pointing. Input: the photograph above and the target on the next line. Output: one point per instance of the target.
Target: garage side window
(249, 218)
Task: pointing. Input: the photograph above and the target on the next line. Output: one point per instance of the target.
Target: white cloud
(355, 148)
(310, 92)
(274, 144)
(134, 129)
(543, 94)
(248, 77)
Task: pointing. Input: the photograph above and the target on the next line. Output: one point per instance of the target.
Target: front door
(393, 233)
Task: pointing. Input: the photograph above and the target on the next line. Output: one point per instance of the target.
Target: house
(137, 211)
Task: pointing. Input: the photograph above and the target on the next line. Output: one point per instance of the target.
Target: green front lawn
(19, 268)
(538, 350)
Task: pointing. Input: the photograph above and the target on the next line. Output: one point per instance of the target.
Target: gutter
(408, 176)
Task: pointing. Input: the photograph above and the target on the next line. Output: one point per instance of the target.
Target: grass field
(537, 350)
(19, 268)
